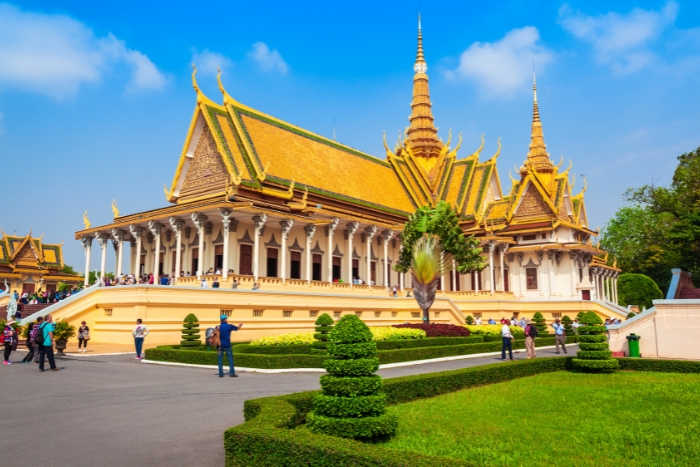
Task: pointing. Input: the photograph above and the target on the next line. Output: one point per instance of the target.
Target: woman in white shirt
(507, 342)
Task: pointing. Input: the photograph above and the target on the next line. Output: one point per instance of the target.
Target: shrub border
(290, 361)
(266, 440)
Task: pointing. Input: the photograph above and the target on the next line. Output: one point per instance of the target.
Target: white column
(501, 255)
(310, 230)
(286, 227)
(259, 222)
(137, 233)
(477, 276)
(102, 239)
(604, 295)
(330, 228)
(523, 275)
(118, 239)
(615, 288)
(177, 225)
(492, 247)
(155, 229)
(573, 257)
(199, 220)
(386, 236)
(87, 245)
(226, 221)
(370, 231)
(350, 230)
(552, 276)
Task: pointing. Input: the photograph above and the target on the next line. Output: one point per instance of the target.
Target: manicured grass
(562, 419)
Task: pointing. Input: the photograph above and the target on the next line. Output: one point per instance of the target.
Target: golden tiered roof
(234, 151)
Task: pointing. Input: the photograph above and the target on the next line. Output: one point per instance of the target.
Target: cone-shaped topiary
(580, 315)
(540, 323)
(352, 404)
(190, 332)
(566, 321)
(324, 326)
(469, 320)
(595, 355)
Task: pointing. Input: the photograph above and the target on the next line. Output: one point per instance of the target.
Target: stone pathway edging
(321, 370)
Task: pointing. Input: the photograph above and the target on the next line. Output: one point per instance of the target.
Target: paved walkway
(113, 411)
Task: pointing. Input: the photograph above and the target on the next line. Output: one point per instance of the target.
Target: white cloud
(55, 54)
(620, 41)
(268, 60)
(503, 67)
(207, 62)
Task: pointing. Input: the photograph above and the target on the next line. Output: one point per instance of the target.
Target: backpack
(532, 331)
(39, 337)
(214, 338)
(7, 336)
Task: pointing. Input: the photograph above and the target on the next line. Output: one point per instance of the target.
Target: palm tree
(428, 264)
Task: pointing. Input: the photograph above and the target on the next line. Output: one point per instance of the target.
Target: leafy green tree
(594, 354)
(637, 289)
(431, 240)
(352, 404)
(324, 326)
(68, 269)
(95, 275)
(190, 332)
(443, 222)
(660, 228)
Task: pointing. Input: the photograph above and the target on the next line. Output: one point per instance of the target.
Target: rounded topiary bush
(190, 332)
(540, 323)
(352, 404)
(594, 354)
(469, 320)
(637, 289)
(324, 326)
(567, 322)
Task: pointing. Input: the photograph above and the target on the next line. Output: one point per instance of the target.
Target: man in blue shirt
(560, 332)
(225, 330)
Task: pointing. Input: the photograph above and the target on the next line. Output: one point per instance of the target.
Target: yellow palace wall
(111, 312)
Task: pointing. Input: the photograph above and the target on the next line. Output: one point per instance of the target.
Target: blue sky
(95, 100)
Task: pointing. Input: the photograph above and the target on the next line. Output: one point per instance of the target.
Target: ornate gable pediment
(26, 255)
(532, 204)
(206, 171)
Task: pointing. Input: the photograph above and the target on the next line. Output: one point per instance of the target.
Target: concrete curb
(321, 370)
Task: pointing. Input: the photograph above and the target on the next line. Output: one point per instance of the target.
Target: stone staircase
(27, 310)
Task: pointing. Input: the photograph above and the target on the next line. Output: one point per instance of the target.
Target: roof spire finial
(538, 150)
(420, 58)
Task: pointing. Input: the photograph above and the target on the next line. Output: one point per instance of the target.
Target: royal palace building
(255, 198)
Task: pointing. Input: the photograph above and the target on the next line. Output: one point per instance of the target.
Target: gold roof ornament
(537, 156)
(86, 220)
(299, 205)
(165, 190)
(115, 210)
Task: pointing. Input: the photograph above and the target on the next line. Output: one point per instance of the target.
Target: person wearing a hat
(530, 333)
(225, 330)
(10, 339)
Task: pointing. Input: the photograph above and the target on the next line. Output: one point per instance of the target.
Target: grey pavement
(115, 411)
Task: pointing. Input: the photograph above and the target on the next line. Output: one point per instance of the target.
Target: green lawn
(561, 419)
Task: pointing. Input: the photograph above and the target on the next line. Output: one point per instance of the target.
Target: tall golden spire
(538, 157)
(422, 134)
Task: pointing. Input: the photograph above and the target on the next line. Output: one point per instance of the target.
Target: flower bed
(307, 338)
(267, 440)
(437, 329)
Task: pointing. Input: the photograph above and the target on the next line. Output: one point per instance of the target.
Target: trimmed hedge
(266, 440)
(594, 354)
(346, 412)
(324, 326)
(271, 360)
(190, 332)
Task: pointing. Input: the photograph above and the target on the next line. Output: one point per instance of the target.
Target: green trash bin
(633, 342)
